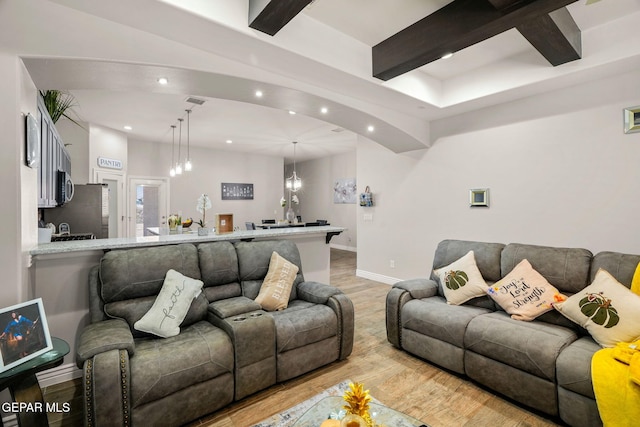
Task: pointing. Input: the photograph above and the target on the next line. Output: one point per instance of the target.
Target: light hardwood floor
(394, 377)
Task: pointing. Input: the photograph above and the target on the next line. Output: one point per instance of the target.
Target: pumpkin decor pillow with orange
(607, 309)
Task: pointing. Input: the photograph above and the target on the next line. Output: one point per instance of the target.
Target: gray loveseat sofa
(544, 364)
(227, 348)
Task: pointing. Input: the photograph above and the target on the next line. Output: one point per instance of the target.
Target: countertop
(132, 242)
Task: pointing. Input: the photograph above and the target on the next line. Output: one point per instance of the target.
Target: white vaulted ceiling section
(110, 54)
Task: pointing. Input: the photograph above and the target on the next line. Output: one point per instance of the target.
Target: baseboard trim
(343, 247)
(377, 277)
(58, 375)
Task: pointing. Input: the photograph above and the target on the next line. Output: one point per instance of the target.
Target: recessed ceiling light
(370, 128)
(324, 110)
(228, 141)
(292, 112)
(163, 80)
(258, 94)
(127, 127)
(447, 55)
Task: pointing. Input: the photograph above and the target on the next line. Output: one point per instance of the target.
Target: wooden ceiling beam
(458, 25)
(270, 16)
(556, 36)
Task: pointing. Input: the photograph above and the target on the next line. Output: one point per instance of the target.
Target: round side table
(23, 384)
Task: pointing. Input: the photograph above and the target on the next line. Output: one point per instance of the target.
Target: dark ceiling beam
(556, 36)
(458, 25)
(269, 16)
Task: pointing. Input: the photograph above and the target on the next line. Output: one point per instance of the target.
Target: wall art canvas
(236, 191)
(344, 191)
(24, 333)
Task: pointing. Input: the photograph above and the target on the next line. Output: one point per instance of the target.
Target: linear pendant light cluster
(177, 166)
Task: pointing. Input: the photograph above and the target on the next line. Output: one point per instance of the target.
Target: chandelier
(294, 183)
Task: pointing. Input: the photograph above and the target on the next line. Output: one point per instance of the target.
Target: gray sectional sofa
(227, 348)
(544, 364)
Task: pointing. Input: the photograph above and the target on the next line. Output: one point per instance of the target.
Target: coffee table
(329, 407)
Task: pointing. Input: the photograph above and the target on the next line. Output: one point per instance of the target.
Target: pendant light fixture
(294, 183)
(172, 171)
(187, 162)
(179, 163)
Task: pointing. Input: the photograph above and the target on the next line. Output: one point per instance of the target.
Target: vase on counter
(291, 215)
(203, 231)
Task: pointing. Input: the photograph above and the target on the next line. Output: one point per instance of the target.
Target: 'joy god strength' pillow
(524, 293)
(606, 308)
(171, 305)
(461, 280)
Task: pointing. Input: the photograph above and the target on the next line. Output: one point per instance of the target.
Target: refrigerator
(86, 213)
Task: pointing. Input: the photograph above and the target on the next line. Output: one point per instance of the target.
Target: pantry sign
(106, 163)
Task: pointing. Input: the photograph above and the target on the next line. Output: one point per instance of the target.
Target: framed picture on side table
(24, 333)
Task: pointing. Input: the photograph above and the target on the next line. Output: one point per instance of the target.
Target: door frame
(98, 177)
(132, 183)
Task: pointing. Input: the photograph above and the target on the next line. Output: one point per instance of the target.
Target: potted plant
(58, 103)
(204, 203)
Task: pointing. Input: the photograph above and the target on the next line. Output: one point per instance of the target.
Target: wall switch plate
(367, 217)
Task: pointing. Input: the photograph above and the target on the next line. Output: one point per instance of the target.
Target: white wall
(108, 143)
(567, 179)
(210, 169)
(316, 195)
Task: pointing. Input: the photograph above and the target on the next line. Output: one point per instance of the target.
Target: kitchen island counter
(173, 239)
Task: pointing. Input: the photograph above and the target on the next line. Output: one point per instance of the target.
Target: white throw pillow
(461, 280)
(524, 293)
(171, 305)
(606, 308)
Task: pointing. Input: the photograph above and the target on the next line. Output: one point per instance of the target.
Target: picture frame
(24, 333)
(632, 119)
(479, 197)
(236, 191)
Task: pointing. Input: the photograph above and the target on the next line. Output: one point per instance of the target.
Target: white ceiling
(321, 58)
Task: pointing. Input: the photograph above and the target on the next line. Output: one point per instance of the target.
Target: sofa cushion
(532, 347)
(276, 286)
(162, 367)
(607, 309)
(132, 310)
(619, 265)
(170, 306)
(140, 272)
(219, 270)
(566, 268)
(435, 318)
(524, 293)
(303, 323)
(461, 280)
(573, 366)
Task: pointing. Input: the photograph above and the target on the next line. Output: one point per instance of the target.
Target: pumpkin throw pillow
(461, 280)
(606, 308)
(171, 305)
(524, 293)
(276, 286)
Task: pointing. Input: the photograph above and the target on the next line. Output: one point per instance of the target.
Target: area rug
(288, 418)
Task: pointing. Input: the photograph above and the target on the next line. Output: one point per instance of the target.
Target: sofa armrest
(320, 293)
(397, 297)
(419, 288)
(315, 292)
(104, 336)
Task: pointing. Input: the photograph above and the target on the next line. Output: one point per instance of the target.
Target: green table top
(38, 363)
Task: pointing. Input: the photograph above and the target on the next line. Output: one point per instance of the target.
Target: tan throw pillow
(171, 305)
(524, 293)
(461, 280)
(276, 287)
(606, 308)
